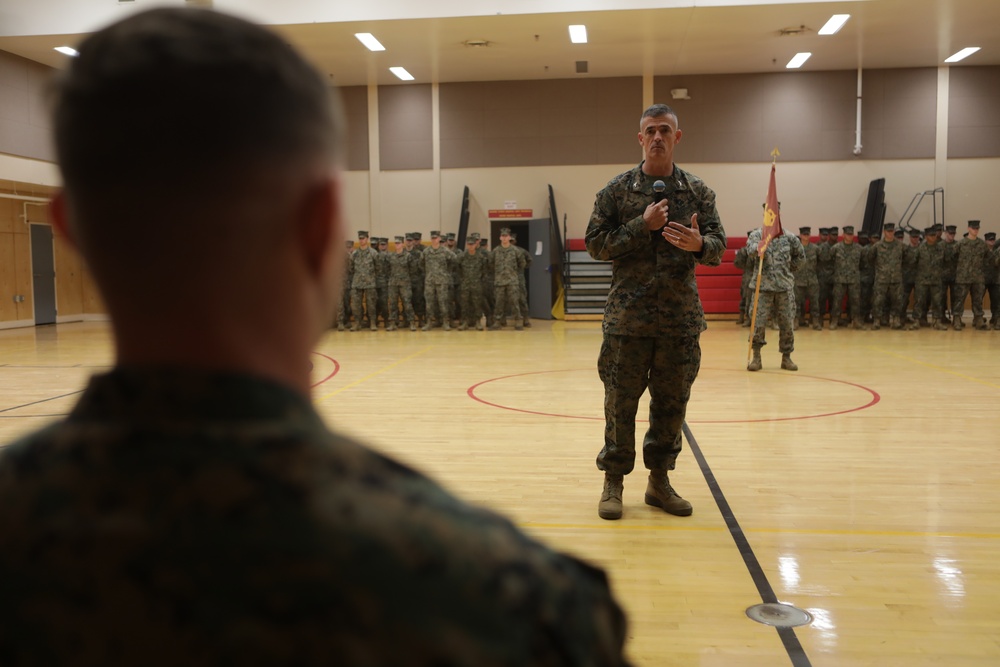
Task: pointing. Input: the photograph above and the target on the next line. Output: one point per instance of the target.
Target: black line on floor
(44, 400)
(788, 637)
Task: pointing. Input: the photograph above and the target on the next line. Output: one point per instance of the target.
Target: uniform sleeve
(713, 236)
(608, 237)
(798, 253)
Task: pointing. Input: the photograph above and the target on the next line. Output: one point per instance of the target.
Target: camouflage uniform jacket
(783, 256)
(653, 289)
(950, 260)
(971, 254)
(991, 267)
(888, 256)
(437, 265)
(363, 268)
(743, 262)
(805, 275)
(846, 263)
(929, 263)
(508, 263)
(183, 518)
(417, 264)
(527, 260)
(399, 268)
(472, 267)
(824, 262)
(382, 269)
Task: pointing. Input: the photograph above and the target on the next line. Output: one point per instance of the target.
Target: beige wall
(24, 124)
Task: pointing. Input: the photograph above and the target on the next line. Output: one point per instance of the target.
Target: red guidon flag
(772, 217)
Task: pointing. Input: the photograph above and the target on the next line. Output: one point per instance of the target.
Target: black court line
(794, 649)
(44, 400)
(65, 414)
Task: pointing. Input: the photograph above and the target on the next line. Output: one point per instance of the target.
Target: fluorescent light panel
(835, 23)
(369, 40)
(578, 34)
(798, 60)
(961, 55)
(68, 50)
(401, 73)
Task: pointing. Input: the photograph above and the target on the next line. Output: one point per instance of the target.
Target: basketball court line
(935, 367)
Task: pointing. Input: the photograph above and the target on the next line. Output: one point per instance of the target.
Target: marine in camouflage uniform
(846, 257)
(887, 258)
(867, 274)
(971, 252)
(991, 278)
(364, 261)
(186, 515)
(437, 261)
(400, 292)
(505, 265)
(824, 270)
(416, 251)
(783, 256)
(344, 309)
(950, 267)
(489, 293)
(382, 281)
(743, 262)
(929, 264)
(454, 301)
(807, 282)
(909, 272)
(472, 266)
(653, 318)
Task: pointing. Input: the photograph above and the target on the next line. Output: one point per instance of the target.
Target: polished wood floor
(867, 484)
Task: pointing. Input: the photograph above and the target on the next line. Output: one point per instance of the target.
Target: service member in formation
(950, 266)
(991, 278)
(400, 292)
(846, 257)
(887, 257)
(824, 270)
(653, 318)
(807, 282)
(363, 293)
(929, 264)
(344, 309)
(437, 261)
(416, 250)
(522, 284)
(783, 256)
(471, 265)
(971, 254)
(506, 264)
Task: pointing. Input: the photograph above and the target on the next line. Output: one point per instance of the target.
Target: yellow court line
(781, 531)
(937, 368)
(371, 375)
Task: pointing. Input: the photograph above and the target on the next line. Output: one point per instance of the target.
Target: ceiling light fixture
(835, 23)
(401, 73)
(369, 40)
(798, 60)
(961, 55)
(578, 34)
(68, 50)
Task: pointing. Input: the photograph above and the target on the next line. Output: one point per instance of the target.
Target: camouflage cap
(833, 230)
(473, 238)
(937, 227)
(824, 231)
(349, 243)
(874, 236)
(400, 239)
(848, 229)
(417, 236)
(513, 235)
(362, 234)
(408, 236)
(806, 230)
(990, 236)
(898, 233)
(927, 230)
(505, 230)
(450, 236)
(383, 241)
(483, 242)
(888, 227)
(973, 224)
(435, 234)
(914, 232)
(951, 229)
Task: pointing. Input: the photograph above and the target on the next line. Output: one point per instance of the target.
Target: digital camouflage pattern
(437, 281)
(364, 295)
(188, 518)
(784, 255)
(417, 280)
(472, 267)
(807, 285)
(400, 289)
(970, 256)
(929, 264)
(887, 257)
(846, 279)
(654, 318)
(653, 289)
(507, 263)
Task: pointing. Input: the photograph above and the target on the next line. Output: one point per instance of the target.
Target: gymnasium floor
(864, 489)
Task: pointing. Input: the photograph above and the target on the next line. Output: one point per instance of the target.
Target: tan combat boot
(755, 364)
(787, 363)
(660, 494)
(610, 506)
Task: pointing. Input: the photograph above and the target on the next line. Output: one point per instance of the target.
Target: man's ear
(59, 213)
(321, 228)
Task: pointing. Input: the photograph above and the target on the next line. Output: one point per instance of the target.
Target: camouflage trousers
(977, 290)
(808, 293)
(867, 297)
(780, 305)
(909, 289)
(894, 293)
(522, 296)
(928, 296)
(417, 294)
(344, 311)
(825, 298)
(437, 301)
(948, 296)
(473, 304)
(382, 301)
(627, 365)
(401, 303)
(508, 302)
(853, 291)
(369, 297)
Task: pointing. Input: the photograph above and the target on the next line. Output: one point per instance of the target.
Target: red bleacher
(719, 286)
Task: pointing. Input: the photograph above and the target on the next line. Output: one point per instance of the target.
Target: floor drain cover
(779, 615)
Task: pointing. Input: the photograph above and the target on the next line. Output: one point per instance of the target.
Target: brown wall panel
(973, 119)
(22, 275)
(8, 277)
(405, 127)
(69, 278)
(24, 124)
(355, 101)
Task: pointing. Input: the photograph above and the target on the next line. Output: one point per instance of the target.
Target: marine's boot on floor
(787, 363)
(610, 506)
(660, 494)
(755, 364)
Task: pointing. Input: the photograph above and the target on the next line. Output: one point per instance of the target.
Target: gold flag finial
(774, 154)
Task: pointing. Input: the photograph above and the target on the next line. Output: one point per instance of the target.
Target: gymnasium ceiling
(668, 37)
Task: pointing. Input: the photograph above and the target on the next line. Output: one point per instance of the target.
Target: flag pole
(760, 266)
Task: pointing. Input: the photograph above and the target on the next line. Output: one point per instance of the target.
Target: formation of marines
(417, 285)
(900, 279)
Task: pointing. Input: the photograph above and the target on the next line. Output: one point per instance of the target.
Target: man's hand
(655, 215)
(685, 238)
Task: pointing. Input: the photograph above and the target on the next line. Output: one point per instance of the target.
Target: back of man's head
(165, 122)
